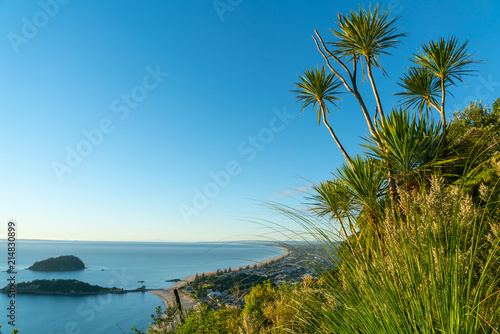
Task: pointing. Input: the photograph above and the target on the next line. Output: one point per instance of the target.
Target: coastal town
(228, 287)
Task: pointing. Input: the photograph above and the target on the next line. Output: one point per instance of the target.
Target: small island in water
(64, 287)
(61, 263)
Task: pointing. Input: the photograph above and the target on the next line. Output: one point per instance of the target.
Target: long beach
(187, 301)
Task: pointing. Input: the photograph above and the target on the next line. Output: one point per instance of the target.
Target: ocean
(112, 264)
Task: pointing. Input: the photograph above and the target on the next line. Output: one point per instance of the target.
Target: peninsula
(63, 287)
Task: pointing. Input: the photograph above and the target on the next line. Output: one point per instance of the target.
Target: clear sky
(172, 120)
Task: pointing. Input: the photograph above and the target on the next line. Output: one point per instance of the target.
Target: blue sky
(117, 115)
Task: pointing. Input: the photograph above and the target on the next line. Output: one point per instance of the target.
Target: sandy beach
(168, 295)
(187, 301)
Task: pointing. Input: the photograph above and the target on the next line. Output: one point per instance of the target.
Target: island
(61, 263)
(63, 287)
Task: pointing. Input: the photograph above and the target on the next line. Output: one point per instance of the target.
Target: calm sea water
(118, 264)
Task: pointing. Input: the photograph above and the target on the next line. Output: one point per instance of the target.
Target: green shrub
(436, 274)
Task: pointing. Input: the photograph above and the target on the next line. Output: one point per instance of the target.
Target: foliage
(431, 278)
(442, 63)
(496, 106)
(447, 59)
(477, 116)
(413, 146)
(477, 132)
(431, 268)
(438, 270)
(317, 88)
(202, 320)
(421, 89)
(364, 182)
(268, 309)
(366, 35)
(477, 129)
(206, 320)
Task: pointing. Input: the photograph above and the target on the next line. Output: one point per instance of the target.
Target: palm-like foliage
(355, 199)
(446, 60)
(421, 89)
(332, 199)
(412, 145)
(422, 284)
(365, 183)
(315, 88)
(366, 35)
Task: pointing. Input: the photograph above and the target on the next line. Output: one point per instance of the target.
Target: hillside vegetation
(418, 210)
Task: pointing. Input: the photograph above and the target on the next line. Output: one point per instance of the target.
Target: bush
(436, 274)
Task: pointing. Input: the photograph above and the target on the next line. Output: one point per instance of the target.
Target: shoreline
(187, 301)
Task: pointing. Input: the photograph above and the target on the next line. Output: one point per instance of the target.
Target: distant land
(61, 263)
(63, 287)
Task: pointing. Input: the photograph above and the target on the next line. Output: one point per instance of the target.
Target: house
(213, 294)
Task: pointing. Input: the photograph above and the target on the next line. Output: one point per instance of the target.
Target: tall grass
(438, 274)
